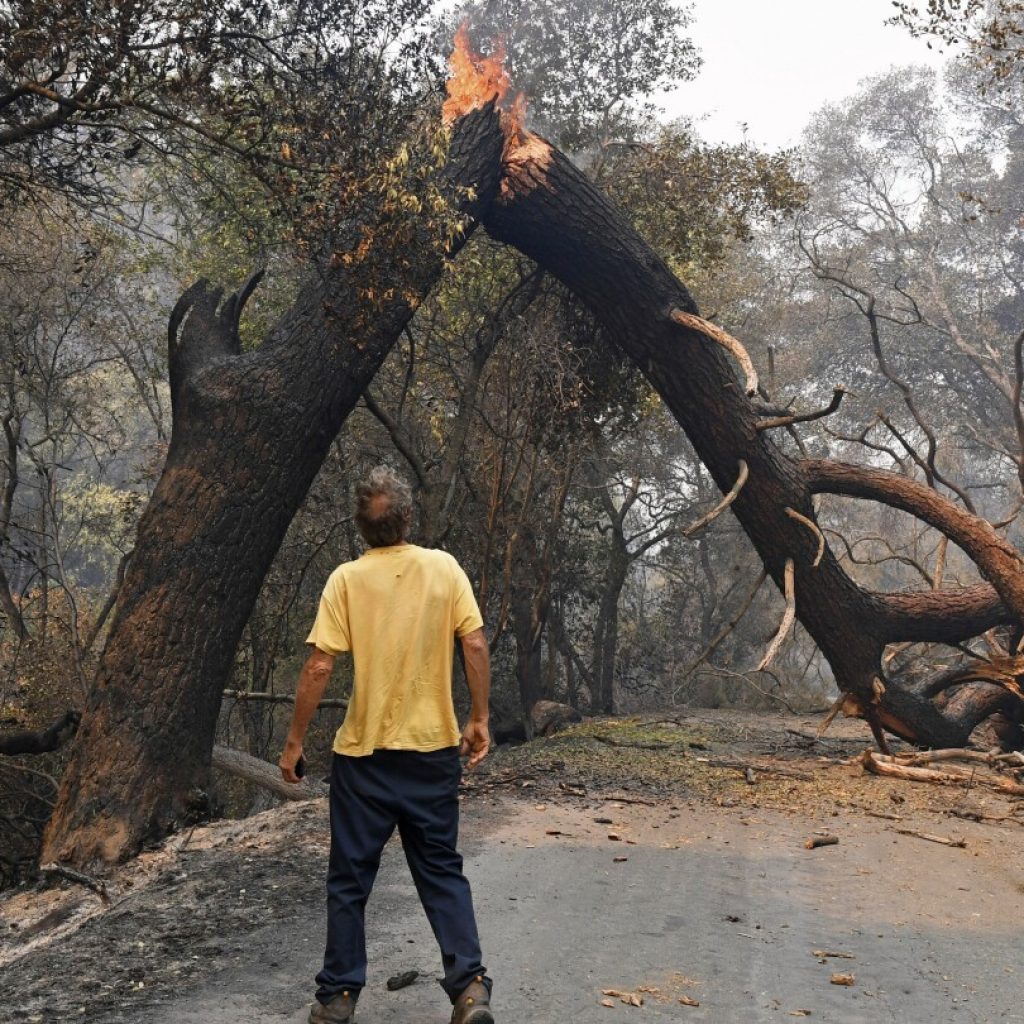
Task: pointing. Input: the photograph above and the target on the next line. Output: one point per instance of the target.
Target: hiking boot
(339, 1009)
(474, 1005)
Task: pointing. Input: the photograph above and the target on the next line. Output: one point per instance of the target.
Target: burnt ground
(638, 857)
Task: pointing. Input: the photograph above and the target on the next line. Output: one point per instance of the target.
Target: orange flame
(475, 80)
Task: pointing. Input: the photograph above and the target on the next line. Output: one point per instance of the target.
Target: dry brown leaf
(687, 1001)
(799, 1013)
(610, 1003)
(841, 979)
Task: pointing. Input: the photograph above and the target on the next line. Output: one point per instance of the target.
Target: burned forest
(499, 297)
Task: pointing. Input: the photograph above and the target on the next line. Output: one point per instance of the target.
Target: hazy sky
(772, 63)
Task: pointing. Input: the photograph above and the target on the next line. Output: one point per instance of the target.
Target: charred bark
(553, 213)
(251, 430)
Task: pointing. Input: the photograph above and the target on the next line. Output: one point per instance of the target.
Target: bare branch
(813, 527)
(789, 583)
(727, 341)
(733, 494)
(786, 421)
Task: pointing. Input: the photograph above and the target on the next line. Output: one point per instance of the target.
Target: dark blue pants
(418, 792)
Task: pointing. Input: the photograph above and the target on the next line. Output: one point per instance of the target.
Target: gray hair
(384, 508)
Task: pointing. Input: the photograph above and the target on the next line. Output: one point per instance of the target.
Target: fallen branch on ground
(265, 775)
(77, 877)
(961, 843)
(765, 769)
(880, 764)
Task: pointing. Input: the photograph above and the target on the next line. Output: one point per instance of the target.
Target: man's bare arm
(476, 737)
(308, 694)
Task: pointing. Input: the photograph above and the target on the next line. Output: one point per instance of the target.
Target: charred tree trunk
(550, 211)
(251, 430)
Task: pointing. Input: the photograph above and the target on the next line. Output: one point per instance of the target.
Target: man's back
(397, 609)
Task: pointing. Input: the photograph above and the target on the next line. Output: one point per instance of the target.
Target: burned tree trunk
(251, 430)
(550, 211)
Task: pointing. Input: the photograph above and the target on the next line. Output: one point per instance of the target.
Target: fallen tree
(251, 430)
(549, 210)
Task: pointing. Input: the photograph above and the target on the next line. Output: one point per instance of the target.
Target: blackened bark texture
(551, 212)
(251, 430)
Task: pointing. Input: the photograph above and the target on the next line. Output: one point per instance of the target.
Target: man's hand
(311, 686)
(476, 741)
(289, 759)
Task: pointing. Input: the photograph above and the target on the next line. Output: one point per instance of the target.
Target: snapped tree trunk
(554, 214)
(251, 430)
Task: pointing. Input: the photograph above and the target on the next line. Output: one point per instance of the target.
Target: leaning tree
(252, 428)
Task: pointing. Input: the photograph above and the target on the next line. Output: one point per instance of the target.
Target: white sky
(772, 63)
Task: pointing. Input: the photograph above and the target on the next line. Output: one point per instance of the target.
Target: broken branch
(726, 501)
(879, 764)
(838, 394)
(789, 583)
(813, 527)
(727, 341)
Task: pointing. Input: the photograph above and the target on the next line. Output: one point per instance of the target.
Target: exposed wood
(813, 527)
(263, 774)
(960, 754)
(727, 341)
(788, 617)
(732, 494)
(878, 764)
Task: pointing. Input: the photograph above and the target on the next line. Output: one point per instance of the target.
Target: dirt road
(723, 909)
(714, 900)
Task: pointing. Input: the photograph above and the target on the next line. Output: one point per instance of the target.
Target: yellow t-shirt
(398, 610)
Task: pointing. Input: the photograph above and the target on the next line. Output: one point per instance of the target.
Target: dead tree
(250, 431)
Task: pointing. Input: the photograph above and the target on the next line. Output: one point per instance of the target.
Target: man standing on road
(398, 609)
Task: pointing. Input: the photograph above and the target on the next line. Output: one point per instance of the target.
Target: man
(398, 609)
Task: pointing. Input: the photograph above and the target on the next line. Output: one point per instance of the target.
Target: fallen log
(263, 774)
(932, 838)
(880, 764)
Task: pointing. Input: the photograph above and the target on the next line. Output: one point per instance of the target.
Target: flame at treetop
(476, 80)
